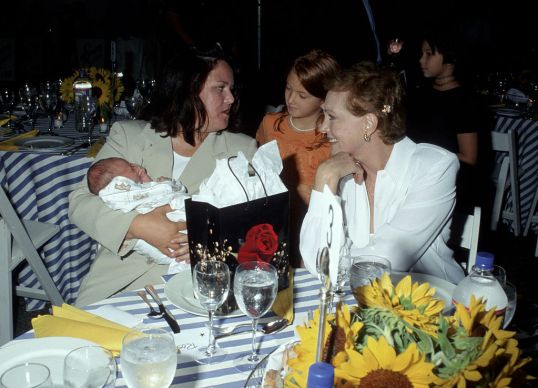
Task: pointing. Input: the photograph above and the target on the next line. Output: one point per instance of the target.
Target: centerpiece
(401, 338)
(106, 88)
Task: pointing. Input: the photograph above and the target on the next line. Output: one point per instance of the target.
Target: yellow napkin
(69, 321)
(283, 305)
(95, 148)
(9, 145)
(4, 121)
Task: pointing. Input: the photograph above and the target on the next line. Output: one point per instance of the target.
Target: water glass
(148, 358)
(27, 375)
(89, 367)
(366, 268)
(211, 283)
(255, 289)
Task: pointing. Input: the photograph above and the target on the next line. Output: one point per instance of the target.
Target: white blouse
(414, 199)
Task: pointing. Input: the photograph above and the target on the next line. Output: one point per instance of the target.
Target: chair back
(508, 174)
(465, 231)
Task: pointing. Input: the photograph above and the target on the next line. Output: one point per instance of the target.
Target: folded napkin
(516, 95)
(95, 148)
(69, 321)
(283, 305)
(9, 145)
(4, 121)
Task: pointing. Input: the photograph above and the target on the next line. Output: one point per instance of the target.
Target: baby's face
(132, 171)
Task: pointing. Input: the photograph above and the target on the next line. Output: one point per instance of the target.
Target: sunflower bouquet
(400, 338)
(106, 89)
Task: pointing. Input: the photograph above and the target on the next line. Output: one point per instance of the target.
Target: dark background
(49, 39)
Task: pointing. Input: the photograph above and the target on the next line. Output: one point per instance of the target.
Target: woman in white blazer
(187, 128)
(394, 198)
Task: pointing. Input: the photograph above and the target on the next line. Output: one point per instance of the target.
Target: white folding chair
(533, 219)
(465, 230)
(19, 241)
(506, 142)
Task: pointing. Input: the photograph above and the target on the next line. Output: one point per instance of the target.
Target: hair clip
(386, 108)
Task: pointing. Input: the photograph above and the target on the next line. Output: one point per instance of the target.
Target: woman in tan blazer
(187, 129)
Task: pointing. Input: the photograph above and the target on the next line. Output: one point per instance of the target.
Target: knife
(169, 318)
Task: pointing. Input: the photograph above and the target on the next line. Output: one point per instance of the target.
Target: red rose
(261, 243)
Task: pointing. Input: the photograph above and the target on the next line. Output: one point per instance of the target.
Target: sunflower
(380, 366)
(66, 88)
(99, 74)
(101, 92)
(413, 302)
(306, 348)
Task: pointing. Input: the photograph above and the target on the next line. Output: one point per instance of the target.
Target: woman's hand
(157, 230)
(335, 168)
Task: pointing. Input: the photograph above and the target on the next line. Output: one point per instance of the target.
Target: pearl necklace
(290, 119)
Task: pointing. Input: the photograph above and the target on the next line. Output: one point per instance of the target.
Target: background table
(527, 156)
(38, 185)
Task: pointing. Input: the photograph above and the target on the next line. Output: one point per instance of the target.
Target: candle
(103, 125)
(58, 120)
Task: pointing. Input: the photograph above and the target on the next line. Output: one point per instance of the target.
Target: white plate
(508, 112)
(50, 351)
(45, 142)
(443, 288)
(179, 292)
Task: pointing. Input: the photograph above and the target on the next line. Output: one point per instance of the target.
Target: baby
(126, 186)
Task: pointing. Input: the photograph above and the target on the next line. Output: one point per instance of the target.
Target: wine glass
(511, 294)
(145, 87)
(29, 102)
(344, 265)
(7, 96)
(86, 109)
(27, 375)
(211, 283)
(89, 367)
(148, 358)
(48, 101)
(134, 105)
(255, 289)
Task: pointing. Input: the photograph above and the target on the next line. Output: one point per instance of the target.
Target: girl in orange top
(296, 130)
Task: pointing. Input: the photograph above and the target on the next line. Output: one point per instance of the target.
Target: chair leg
(6, 287)
(499, 194)
(531, 214)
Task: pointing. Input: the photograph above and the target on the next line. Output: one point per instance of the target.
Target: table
(527, 156)
(39, 185)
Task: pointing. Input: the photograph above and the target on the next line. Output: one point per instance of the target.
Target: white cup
(27, 375)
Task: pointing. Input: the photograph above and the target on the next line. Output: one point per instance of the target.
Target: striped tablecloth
(527, 156)
(38, 185)
(191, 374)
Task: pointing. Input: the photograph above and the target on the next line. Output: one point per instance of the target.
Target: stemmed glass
(134, 104)
(145, 87)
(7, 97)
(211, 283)
(148, 358)
(255, 289)
(48, 101)
(87, 107)
(29, 102)
(344, 265)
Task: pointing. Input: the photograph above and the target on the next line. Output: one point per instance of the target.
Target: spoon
(267, 328)
(153, 314)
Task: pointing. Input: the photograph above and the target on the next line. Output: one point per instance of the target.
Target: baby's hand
(163, 179)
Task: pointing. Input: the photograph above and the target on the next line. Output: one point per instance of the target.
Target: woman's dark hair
(375, 90)
(175, 103)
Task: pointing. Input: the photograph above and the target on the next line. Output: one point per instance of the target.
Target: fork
(153, 314)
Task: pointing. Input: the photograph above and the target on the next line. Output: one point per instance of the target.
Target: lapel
(157, 155)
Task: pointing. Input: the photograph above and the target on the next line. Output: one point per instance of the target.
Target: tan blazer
(138, 143)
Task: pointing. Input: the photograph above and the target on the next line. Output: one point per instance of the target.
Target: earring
(367, 137)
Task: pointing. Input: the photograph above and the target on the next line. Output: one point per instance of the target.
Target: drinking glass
(366, 268)
(134, 105)
(29, 102)
(7, 96)
(338, 293)
(148, 358)
(85, 110)
(211, 282)
(48, 101)
(255, 289)
(89, 367)
(145, 87)
(27, 375)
